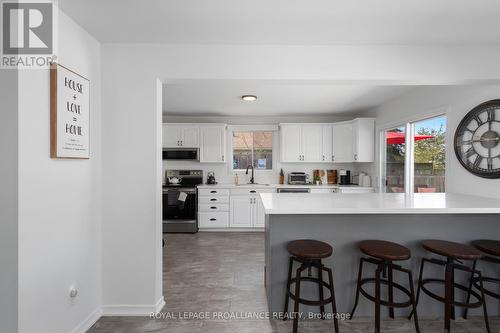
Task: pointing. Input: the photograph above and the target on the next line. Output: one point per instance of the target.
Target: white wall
(8, 200)
(456, 101)
(59, 201)
(130, 131)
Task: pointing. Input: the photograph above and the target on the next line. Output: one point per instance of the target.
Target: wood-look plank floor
(223, 273)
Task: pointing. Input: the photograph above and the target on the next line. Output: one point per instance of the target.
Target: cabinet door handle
(213, 207)
(222, 158)
(213, 191)
(212, 219)
(213, 199)
(333, 158)
(253, 191)
(355, 157)
(323, 157)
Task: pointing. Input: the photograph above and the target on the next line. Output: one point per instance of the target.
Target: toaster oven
(298, 178)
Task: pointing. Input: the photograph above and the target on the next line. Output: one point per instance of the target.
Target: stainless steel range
(180, 206)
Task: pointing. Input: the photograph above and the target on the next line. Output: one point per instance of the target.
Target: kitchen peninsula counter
(342, 220)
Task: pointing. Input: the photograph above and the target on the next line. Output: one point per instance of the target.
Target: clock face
(477, 140)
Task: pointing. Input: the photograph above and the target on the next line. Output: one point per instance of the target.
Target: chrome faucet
(246, 173)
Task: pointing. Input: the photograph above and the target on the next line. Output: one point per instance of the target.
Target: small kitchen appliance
(298, 178)
(211, 178)
(344, 177)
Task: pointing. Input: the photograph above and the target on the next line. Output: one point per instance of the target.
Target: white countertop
(378, 203)
(281, 186)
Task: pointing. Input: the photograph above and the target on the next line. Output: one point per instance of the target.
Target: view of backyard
(429, 157)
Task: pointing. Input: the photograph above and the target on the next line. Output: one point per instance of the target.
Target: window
(429, 161)
(253, 148)
(414, 157)
(395, 156)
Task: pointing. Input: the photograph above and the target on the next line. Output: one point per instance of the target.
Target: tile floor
(223, 272)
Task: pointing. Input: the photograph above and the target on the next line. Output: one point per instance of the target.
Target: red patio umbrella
(395, 138)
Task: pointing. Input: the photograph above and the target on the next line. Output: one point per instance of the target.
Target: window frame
(409, 125)
(253, 128)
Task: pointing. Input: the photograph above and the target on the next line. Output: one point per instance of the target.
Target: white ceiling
(223, 97)
(289, 21)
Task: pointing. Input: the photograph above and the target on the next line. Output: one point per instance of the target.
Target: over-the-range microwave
(190, 154)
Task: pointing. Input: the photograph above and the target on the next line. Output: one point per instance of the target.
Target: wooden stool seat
(451, 249)
(309, 249)
(384, 250)
(491, 247)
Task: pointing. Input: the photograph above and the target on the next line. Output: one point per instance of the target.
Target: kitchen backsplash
(224, 175)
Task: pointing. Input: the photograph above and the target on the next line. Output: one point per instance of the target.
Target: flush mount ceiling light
(249, 98)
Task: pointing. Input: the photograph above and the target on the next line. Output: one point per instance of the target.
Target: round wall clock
(477, 140)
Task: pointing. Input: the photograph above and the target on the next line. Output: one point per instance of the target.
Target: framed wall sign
(69, 114)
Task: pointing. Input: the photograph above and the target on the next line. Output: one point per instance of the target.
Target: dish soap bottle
(236, 179)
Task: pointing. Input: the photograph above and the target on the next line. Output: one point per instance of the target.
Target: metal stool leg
(358, 287)
(452, 293)
(297, 296)
(287, 297)
(448, 295)
(391, 292)
(334, 305)
(320, 285)
(414, 302)
(419, 284)
(486, 320)
(377, 299)
(470, 288)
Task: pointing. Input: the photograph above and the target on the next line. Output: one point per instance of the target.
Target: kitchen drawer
(213, 199)
(251, 191)
(213, 207)
(213, 191)
(213, 220)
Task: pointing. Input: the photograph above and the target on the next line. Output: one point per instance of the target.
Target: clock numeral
(470, 152)
(478, 161)
(478, 120)
(490, 163)
(491, 115)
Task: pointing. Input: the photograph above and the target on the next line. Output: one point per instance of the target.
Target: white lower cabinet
(222, 208)
(242, 211)
(213, 220)
(213, 208)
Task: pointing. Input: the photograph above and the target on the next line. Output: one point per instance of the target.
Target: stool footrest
(307, 301)
(455, 285)
(384, 302)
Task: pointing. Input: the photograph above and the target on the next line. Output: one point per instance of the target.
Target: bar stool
(383, 254)
(308, 253)
(491, 249)
(454, 253)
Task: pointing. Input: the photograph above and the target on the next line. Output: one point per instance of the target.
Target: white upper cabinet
(190, 136)
(170, 136)
(301, 143)
(177, 135)
(291, 149)
(213, 143)
(311, 143)
(327, 143)
(343, 146)
(363, 130)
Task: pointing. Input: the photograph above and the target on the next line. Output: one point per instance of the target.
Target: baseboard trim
(88, 322)
(133, 310)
